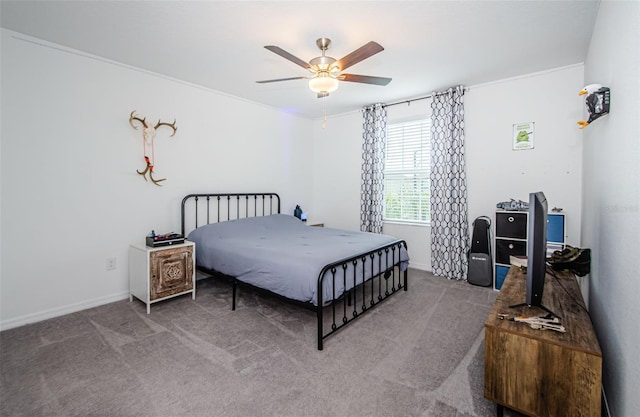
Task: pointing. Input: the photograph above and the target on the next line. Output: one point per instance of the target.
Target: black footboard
(377, 275)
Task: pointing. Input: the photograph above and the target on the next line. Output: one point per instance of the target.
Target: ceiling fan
(327, 71)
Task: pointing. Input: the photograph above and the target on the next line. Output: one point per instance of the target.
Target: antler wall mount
(148, 135)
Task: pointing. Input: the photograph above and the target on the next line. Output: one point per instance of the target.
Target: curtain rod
(419, 98)
(408, 101)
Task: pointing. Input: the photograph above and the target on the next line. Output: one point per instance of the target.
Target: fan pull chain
(324, 113)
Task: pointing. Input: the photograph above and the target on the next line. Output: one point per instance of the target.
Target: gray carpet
(418, 354)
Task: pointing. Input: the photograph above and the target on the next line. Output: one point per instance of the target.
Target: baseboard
(61, 311)
(72, 308)
(420, 266)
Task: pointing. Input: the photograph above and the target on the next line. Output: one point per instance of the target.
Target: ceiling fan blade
(280, 79)
(366, 79)
(287, 55)
(359, 54)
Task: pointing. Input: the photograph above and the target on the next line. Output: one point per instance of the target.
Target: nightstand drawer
(171, 272)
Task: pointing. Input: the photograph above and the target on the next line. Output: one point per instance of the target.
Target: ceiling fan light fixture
(323, 83)
(327, 71)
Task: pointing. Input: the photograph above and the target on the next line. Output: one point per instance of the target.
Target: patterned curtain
(449, 223)
(372, 181)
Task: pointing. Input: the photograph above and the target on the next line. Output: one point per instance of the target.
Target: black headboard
(200, 209)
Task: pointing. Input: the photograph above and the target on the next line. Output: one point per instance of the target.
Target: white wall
(494, 171)
(611, 202)
(70, 195)
(336, 170)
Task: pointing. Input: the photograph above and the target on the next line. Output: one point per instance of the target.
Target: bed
(339, 274)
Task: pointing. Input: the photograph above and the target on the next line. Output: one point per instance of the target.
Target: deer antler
(144, 173)
(171, 125)
(132, 118)
(156, 182)
(149, 169)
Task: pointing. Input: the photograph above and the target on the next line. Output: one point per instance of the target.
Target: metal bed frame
(341, 309)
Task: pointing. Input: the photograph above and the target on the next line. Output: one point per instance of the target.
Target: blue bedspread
(282, 254)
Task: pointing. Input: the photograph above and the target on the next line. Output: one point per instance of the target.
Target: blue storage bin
(555, 228)
(501, 274)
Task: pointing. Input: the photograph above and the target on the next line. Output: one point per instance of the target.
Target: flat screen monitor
(536, 248)
(536, 251)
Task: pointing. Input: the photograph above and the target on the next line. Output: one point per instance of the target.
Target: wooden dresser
(543, 373)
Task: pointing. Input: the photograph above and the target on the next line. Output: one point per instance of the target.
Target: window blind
(407, 170)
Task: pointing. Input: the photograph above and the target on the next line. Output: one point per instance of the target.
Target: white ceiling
(429, 45)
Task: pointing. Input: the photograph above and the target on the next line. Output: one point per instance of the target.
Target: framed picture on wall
(523, 136)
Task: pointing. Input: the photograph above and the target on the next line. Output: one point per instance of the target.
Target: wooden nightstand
(156, 274)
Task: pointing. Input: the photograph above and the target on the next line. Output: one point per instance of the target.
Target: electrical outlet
(111, 264)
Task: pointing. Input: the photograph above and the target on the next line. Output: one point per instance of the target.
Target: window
(406, 172)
